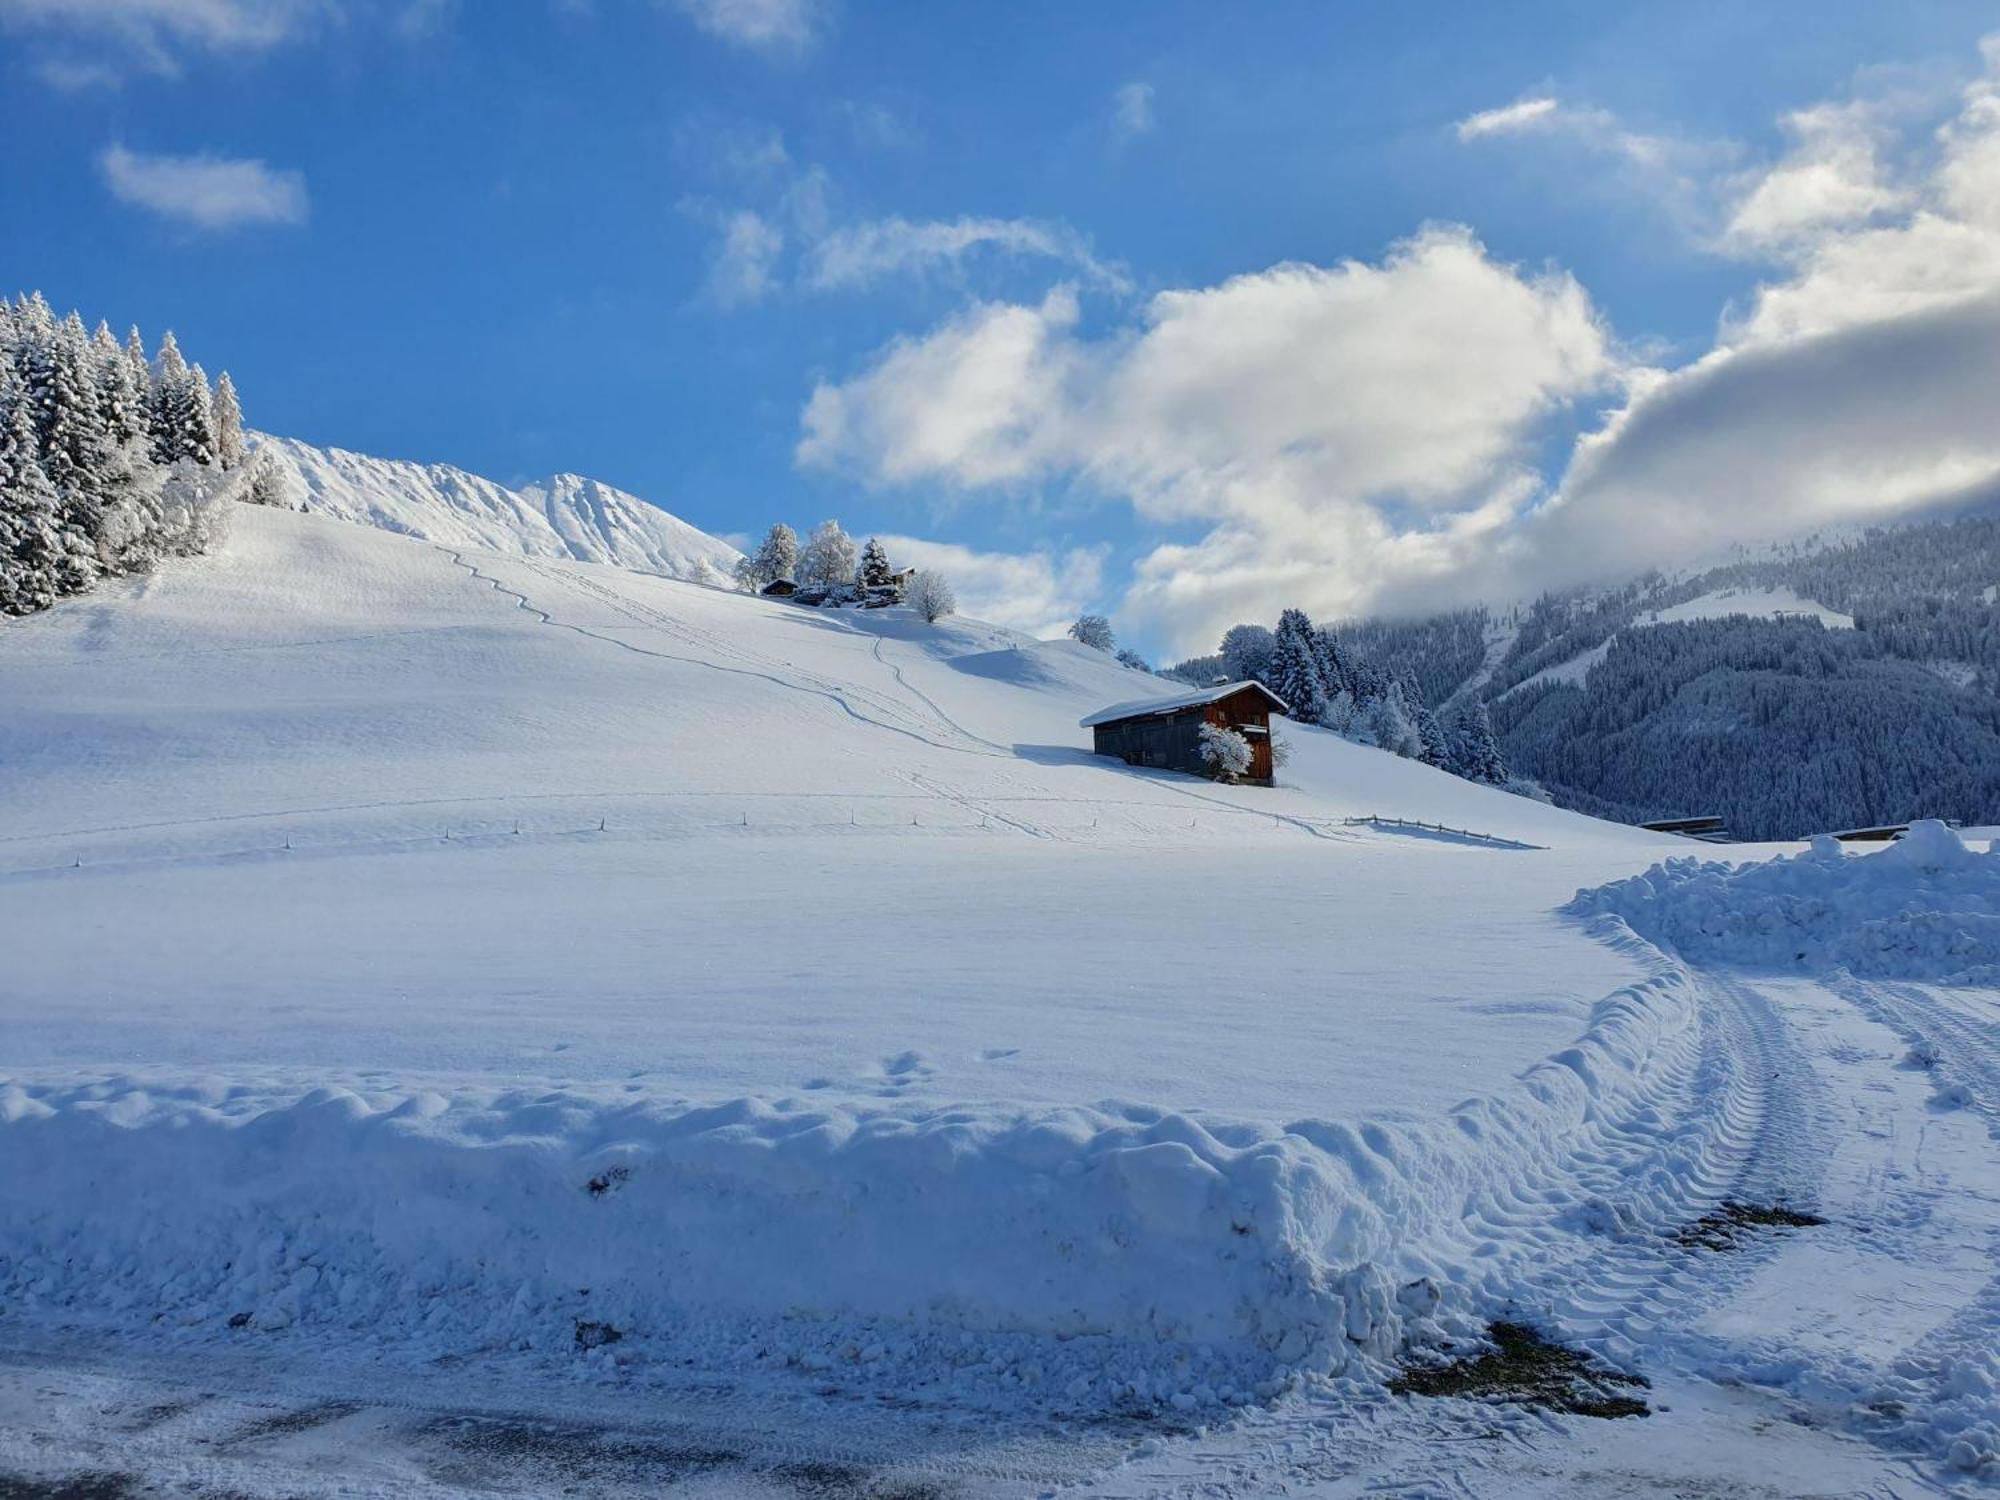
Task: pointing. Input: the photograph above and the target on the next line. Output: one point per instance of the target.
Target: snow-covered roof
(1140, 708)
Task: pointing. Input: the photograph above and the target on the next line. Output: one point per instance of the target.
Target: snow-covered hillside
(565, 515)
(429, 958)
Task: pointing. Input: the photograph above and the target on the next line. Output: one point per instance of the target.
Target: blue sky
(1002, 276)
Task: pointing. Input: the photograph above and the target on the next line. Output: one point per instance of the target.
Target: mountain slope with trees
(1834, 683)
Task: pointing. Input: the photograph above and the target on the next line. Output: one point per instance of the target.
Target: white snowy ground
(905, 1088)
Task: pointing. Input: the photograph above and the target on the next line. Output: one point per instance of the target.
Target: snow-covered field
(458, 966)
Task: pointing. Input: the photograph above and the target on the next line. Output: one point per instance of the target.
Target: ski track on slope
(648, 617)
(645, 615)
(799, 684)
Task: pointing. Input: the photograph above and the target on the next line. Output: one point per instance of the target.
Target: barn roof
(1145, 708)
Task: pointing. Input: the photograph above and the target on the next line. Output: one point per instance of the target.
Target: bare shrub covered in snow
(1094, 631)
(1225, 752)
(930, 595)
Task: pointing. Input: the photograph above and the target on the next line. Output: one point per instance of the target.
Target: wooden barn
(1166, 732)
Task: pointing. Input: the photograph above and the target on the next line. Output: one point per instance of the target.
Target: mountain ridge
(566, 515)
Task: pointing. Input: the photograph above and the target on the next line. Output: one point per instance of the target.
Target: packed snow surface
(565, 515)
(1926, 907)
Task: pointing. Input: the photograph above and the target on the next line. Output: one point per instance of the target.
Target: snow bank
(1080, 1259)
(1925, 908)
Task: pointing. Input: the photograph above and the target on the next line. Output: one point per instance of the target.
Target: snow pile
(565, 515)
(1074, 1258)
(1925, 908)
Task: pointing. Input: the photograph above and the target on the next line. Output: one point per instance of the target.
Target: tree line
(1326, 681)
(829, 561)
(111, 457)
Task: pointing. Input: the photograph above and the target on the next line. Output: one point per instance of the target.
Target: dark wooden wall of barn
(1172, 742)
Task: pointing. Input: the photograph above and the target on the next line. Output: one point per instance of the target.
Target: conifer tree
(31, 545)
(875, 569)
(1295, 674)
(228, 423)
(776, 557)
(1479, 757)
(198, 417)
(165, 402)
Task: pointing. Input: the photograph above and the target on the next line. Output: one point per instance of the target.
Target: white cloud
(978, 401)
(856, 255)
(1039, 592)
(1860, 384)
(158, 27)
(87, 43)
(205, 192)
(1834, 176)
(773, 27)
(1670, 171)
(1287, 409)
(742, 265)
(1525, 114)
(1132, 111)
(1363, 436)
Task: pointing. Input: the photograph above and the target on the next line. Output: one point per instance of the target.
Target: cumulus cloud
(856, 255)
(1833, 176)
(1132, 111)
(1283, 408)
(209, 193)
(773, 27)
(1039, 592)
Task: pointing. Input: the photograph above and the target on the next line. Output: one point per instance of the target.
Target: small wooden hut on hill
(1166, 732)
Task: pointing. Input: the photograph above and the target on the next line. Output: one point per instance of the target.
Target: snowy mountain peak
(566, 515)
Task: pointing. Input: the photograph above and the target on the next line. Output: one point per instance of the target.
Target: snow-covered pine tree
(1479, 757)
(1246, 653)
(1434, 745)
(199, 422)
(828, 557)
(139, 371)
(1332, 667)
(165, 390)
(121, 394)
(1395, 729)
(31, 543)
(777, 556)
(875, 569)
(228, 423)
(65, 402)
(1094, 631)
(1295, 675)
